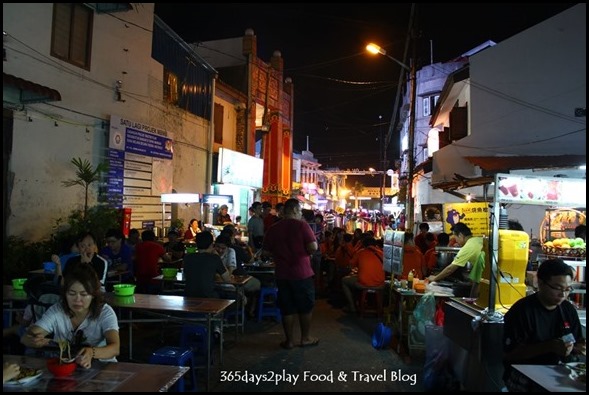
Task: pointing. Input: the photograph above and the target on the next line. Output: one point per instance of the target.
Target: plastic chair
(176, 356)
(196, 338)
(268, 304)
(374, 306)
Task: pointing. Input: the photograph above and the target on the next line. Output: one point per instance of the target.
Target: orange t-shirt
(413, 260)
(344, 255)
(370, 269)
(431, 259)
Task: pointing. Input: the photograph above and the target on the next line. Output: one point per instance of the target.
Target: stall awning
(29, 92)
(504, 164)
(500, 164)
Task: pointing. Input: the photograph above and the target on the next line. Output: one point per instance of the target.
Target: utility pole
(383, 155)
(411, 137)
(376, 49)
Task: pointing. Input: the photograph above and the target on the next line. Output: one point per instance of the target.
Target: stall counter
(476, 352)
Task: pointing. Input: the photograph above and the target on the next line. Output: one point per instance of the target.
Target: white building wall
(521, 99)
(523, 93)
(41, 153)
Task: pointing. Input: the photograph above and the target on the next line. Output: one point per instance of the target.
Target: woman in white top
(82, 319)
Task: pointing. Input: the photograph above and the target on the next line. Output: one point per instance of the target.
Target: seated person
(413, 259)
(344, 254)
(227, 254)
(149, 254)
(431, 256)
(118, 254)
(82, 319)
(201, 269)
(370, 272)
(174, 246)
(193, 229)
(88, 256)
(542, 328)
(68, 250)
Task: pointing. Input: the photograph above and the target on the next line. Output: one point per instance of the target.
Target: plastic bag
(426, 308)
(439, 316)
(438, 374)
(381, 339)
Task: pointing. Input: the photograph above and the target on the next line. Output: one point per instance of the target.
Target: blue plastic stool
(196, 338)
(177, 356)
(268, 304)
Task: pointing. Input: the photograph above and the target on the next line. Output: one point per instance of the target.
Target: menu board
(548, 191)
(397, 253)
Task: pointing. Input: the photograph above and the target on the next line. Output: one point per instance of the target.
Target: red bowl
(60, 369)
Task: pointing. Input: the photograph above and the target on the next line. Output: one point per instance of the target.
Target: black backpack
(42, 294)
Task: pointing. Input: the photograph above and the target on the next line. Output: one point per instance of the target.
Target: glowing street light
(376, 49)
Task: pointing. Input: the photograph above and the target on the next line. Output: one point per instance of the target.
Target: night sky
(344, 96)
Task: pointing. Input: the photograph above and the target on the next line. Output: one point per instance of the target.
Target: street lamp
(375, 49)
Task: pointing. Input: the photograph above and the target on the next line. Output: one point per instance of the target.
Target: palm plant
(358, 188)
(85, 176)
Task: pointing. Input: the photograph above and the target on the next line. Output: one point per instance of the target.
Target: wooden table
(212, 308)
(553, 378)
(101, 377)
(237, 281)
(260, 268)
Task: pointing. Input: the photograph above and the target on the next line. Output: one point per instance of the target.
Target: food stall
(475, 328)
(170, 198)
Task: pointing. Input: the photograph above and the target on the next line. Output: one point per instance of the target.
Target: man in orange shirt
(412, 258)
(370, 271)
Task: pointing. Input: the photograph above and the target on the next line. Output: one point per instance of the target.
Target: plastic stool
(268, 304)
(364, 305)
(196, 338)
(177, 356)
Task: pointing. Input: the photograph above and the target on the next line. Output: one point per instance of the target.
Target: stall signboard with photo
(475, 215)
(397, 253)
(546, 191)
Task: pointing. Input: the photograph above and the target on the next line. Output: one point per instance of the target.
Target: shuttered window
(171, 94)
(71, 36)
(219, 110)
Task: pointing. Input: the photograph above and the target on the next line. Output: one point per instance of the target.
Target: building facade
(69, 71)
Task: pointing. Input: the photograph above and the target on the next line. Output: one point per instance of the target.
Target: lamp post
(375, 49)
(383, 156)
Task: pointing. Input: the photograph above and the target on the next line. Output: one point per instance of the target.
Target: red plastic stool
(374, 306)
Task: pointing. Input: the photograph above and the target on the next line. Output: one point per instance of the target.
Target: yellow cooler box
(514, 248)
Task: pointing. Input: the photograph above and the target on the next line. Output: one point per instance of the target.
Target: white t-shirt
(56, 321)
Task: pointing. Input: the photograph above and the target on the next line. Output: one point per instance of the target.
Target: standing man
(255, 227)
(471, 251)
(267, 216)
(291, 244)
